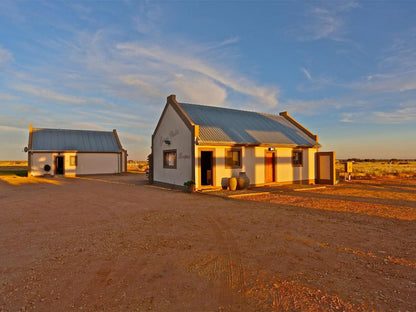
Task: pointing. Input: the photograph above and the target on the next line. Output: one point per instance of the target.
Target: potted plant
(190, 186)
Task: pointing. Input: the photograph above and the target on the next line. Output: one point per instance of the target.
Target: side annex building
(74, 152)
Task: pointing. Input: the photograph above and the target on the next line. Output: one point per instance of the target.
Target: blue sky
(345, 69)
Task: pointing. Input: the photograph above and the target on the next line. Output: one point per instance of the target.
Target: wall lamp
(167, 141)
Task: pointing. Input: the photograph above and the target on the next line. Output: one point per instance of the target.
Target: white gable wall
(172, 128)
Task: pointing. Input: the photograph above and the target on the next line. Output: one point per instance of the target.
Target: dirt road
(112, 243)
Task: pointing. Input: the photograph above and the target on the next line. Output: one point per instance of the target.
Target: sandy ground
(113, 243)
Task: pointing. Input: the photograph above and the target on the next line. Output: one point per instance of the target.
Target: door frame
(274, 165)
(200, 150)
(332, 174)
(55, 162)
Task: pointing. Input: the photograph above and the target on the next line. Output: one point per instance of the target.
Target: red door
(270, 167)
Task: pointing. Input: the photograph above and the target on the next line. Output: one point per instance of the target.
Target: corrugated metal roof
(225, 125)
(74, 140)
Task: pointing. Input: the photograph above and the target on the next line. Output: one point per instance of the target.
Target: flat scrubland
(114, 243)
(13, 167)
(137, 166)
(377, 168)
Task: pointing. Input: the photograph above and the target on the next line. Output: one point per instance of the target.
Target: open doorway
(207, 168)
(59, 165)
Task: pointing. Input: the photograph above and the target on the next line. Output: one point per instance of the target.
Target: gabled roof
(230, 126)
(42, 139)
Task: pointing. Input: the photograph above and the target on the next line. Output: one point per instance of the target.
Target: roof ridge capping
(74, 130)
(286, 115)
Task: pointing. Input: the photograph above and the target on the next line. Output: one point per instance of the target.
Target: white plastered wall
(38, 162)
(87, 163)
(172, 128)
(97, 163)
(286, 172)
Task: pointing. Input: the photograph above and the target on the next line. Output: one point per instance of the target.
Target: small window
(73, 161)
(297, 159)
(233, 158)
(169, 159)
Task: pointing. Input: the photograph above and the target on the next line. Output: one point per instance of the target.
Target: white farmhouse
(209, 144)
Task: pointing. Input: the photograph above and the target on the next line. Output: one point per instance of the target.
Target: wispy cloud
(306, 72)
(149, 18)
(49, 94)
(314, 82)
(13, 129)
(308, 107)
(397, 66)
(389, 82)
(5, 55)
(7, 97)
(195, 65)
(199, 89)
(324, 22)
(140, 82)
(404, 114)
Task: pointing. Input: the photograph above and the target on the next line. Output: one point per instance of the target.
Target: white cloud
(181, 63)
(399, 116)
(48, 94)
(199, 90)
(144, 86)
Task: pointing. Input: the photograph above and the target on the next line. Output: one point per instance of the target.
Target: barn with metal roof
(75, 152)
(209, 145)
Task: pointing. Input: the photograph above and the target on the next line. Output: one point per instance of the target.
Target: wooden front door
(270, 167)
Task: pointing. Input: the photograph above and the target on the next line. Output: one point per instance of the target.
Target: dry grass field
(137, 166)
(381, 168)
(113, 243)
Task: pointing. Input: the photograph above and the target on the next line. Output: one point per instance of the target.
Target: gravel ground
(113, 243)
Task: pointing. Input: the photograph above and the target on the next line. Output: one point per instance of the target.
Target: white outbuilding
(74, 152)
